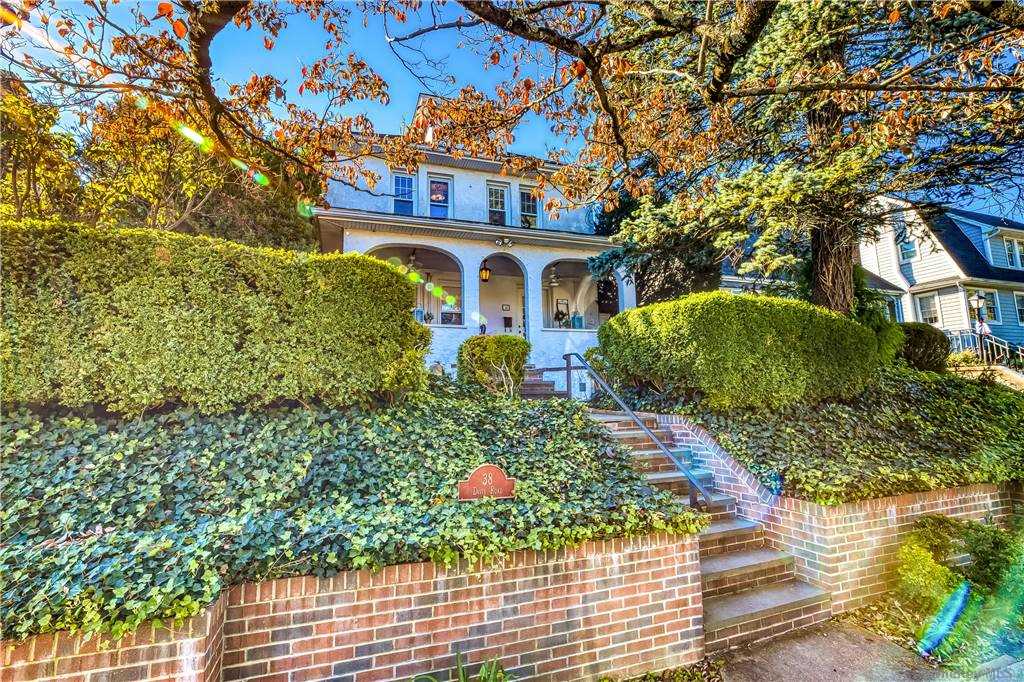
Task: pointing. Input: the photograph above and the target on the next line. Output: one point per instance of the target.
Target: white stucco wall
(548, 345)
(468, 199)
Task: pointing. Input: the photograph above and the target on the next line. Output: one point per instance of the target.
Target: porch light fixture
(554, 281)
(485, 272)
(977, 301)
(412, 263)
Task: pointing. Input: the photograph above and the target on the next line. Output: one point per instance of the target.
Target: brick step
(620, 421)
(722, 506)
(640, 440)
(677, 482)
(737, 571)
(730, 534)
(762, 612)
(655, 460)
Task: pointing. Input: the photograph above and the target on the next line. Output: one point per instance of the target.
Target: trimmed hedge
(925, 347)
(109, 522)
(138, 319)
(910, 432)
(739, 350)
(495, 362)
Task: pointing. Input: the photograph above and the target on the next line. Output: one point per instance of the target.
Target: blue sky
(302, 42)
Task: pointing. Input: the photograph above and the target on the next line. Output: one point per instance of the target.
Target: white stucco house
(488, 259)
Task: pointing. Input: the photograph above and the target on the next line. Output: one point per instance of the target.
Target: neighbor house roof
(877, 283)
(963, 251)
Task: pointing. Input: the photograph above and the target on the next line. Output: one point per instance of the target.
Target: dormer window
(403, 190)
(527, 208)
(908, 249)
(1014, 252)
(440, 197)
(497, 204)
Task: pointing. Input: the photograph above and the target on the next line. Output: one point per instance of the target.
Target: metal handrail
(695, 485)
(991, 349)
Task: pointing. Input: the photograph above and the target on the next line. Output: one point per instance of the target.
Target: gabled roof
(877, 283)
(962, 250)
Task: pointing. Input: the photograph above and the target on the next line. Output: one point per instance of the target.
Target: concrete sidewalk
(832, 652)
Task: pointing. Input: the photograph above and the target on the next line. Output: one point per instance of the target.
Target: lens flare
(945, 619)
(449, 299)
(396, 261)
(261, 179)
(304, 208)
(190, 134)
(429, 286)
(437, 292)
(141, 102)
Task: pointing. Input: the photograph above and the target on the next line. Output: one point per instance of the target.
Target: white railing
(991, 349)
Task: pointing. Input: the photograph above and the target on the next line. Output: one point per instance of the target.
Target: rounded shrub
(740, 350)
(137, 319)
(495, 362)
(924, 347)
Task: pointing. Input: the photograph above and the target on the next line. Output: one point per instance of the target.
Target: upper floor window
(527, 208)
(990, 307)
(928, 308)
(908, 249)
(497, 206)
(440, 197)
(404, 195)
(1014, 252)
(1018, 301)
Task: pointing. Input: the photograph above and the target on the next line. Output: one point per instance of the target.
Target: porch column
(471, 291)
(534, 304)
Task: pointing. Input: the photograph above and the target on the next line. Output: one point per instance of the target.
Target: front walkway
(832, 652)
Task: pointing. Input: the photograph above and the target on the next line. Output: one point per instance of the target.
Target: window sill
(444, 326)
(564, 329)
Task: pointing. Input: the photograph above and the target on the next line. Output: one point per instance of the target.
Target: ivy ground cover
(911, 431)
(108, 522)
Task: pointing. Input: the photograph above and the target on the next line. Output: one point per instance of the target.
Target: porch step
(762, 612)
(539, 389)
(737, 571)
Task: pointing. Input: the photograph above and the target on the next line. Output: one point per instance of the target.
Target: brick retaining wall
(848, 549)
(616, 607)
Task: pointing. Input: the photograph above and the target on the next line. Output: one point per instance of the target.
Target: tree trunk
(832, 250)
(833, 240)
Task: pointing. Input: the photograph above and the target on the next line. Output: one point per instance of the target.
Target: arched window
(438, 277)
(572, 299)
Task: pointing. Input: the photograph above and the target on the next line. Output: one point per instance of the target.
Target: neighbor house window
(404, 195)
(527, 208)
(440, 197)
(908, 249)
(893, 309)
(1014, 252)
(991, 306)
(1018, 300)
(928, 308)
(497, 209)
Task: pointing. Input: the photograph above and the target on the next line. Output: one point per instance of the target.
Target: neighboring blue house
(947, 262)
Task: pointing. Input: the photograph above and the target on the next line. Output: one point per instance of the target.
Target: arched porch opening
(572, 299)
(502, 295)
(438, 276)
